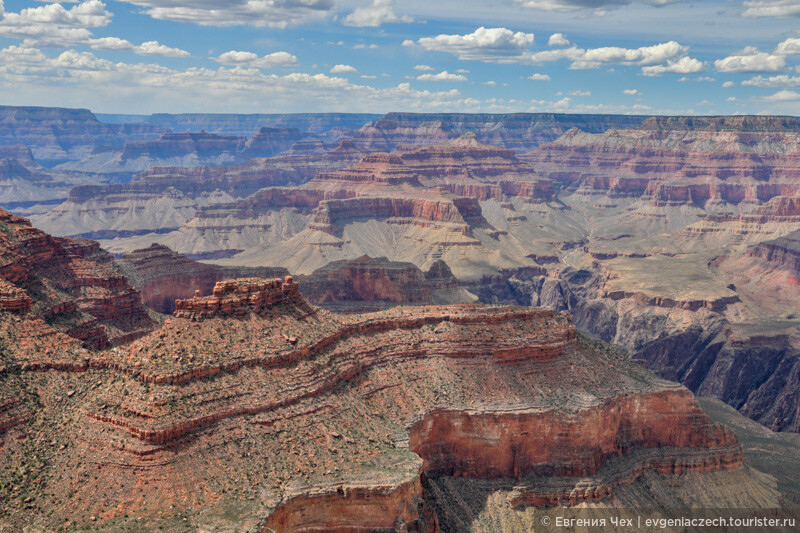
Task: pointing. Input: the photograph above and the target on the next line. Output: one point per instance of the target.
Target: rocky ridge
(437, 191)
(519, 132)
(66, 286)
(300, 419)
(56, 135)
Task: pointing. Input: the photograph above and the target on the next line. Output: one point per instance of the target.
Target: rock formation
(163, 276)
(163, 198)
(370, 284)
(66, 285)
(364, 284)
(436, 190)
(519, 132)
(298, 419)
(56, 135)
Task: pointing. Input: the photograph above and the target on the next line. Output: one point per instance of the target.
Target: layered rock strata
(428, 201)
(163, 276)
(71, 285)
(518, 131)
(56, 135)
(304, 420)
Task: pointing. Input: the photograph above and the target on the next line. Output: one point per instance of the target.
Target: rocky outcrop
(72, 285)
(783, 253)
(336, 420)
(56, 135)
(368, 284)
(458, 443)
(163, 276)
(449, 214)
(238, 297)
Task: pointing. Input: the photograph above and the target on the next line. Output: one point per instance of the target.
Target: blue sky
(273, 56)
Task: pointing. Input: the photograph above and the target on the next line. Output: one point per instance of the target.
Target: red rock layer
(311, 410)
(163, 276)
(513, 444)
(69, 282)
(238, 297)
(347, 509)
(683, 160)
(368, 280)
(452, 214)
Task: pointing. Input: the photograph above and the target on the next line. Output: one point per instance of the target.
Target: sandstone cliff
(163, 276)
(67, 285)
(253, 407)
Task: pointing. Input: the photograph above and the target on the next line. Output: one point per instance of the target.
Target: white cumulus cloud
(442, 76)
(558, 39)
(154, 48)
(631, 92)
(684, 65)
(376, 13)
(751, 60)
(343, 69)
(539, 77)
(250, 59)
(790, 46)
(484, 44)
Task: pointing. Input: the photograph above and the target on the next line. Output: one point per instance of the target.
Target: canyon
(408, 322)
(253, 408)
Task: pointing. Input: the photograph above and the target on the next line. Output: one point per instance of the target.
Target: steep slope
(255, 410)
(416, 206)
(66, 286)
(56, 135)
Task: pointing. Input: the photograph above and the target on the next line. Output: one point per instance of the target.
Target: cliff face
(429, 199)
(684, 160)
(163, 198)
(56, 135)
(163, 276)
(364, 284)
(368, 284)
(251, 399)
(71, 285)
(519, 132)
